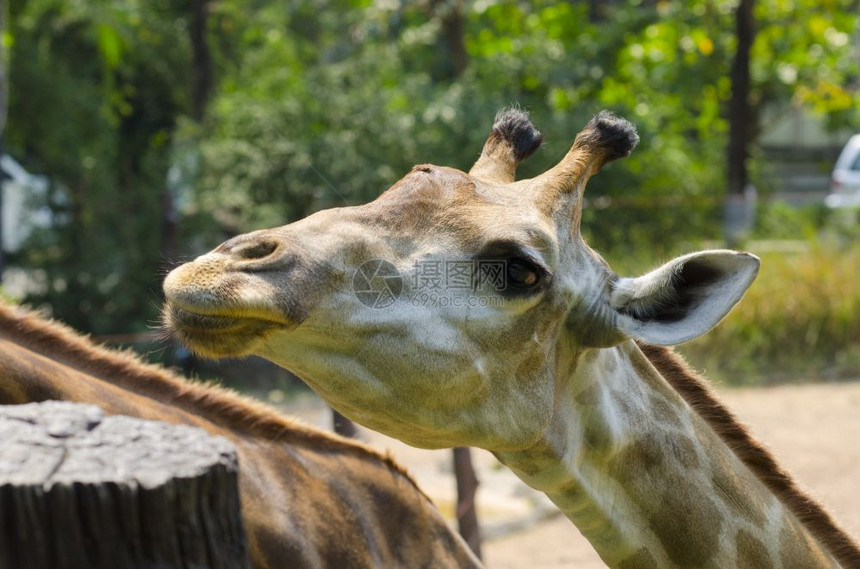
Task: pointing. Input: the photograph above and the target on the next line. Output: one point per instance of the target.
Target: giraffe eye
(522, 274)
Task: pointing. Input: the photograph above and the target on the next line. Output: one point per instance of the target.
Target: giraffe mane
(221, 406)
(753, 454)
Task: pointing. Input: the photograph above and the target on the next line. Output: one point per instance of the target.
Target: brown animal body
(309, 499)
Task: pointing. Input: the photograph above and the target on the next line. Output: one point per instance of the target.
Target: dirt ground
(814, 430)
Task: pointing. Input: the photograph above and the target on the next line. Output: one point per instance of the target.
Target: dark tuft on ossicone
(615, 135)
(514, 127)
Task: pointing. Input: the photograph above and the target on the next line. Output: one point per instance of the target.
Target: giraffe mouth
(217, 335)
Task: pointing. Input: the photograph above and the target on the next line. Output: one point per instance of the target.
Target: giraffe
(309, 498)
(559, 367)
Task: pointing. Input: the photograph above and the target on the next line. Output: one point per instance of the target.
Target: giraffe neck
(648, 482)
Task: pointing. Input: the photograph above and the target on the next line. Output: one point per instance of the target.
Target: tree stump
(467, 487)
(79, 489)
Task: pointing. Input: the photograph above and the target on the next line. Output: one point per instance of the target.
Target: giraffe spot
(798, 550)
(530, 462)
(11, 385)
(596, 434)
(682, 514)
(597, 437)
(623, 404)
(688, 525)
(684, 451)
(654, 451)
(530, 367)
(645, 454)
(664, 410)
(686, 521)
(752, 553)
(589, 397)
(739, 495)
(610, 364)
(642, 559)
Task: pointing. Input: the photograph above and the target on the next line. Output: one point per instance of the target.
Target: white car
(845, 182)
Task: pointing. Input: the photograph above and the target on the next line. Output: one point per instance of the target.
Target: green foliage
(320, 103)
(800, 55)
(777, 220)
(95, 91)
(334, 112)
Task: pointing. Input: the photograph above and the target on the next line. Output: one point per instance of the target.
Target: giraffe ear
(684, 298)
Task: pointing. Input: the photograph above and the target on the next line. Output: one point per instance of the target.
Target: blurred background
(137, 134)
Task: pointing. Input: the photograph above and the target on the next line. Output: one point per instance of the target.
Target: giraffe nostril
(255, 249)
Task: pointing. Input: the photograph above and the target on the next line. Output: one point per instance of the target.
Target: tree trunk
(453, 26)
(79, 489)
(453, 30)
(343, 426)
(741, 127)
(201, 66)
(740, 114)
(4, 98)
(467, 486)
(2, 184)
(202, 81)
(169, 226)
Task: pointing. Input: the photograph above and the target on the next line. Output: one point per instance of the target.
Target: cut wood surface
(81, 489)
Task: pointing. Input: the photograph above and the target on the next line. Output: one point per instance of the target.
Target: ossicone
(512, 139)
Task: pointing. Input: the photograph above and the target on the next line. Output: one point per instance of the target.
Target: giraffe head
(448, 310)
